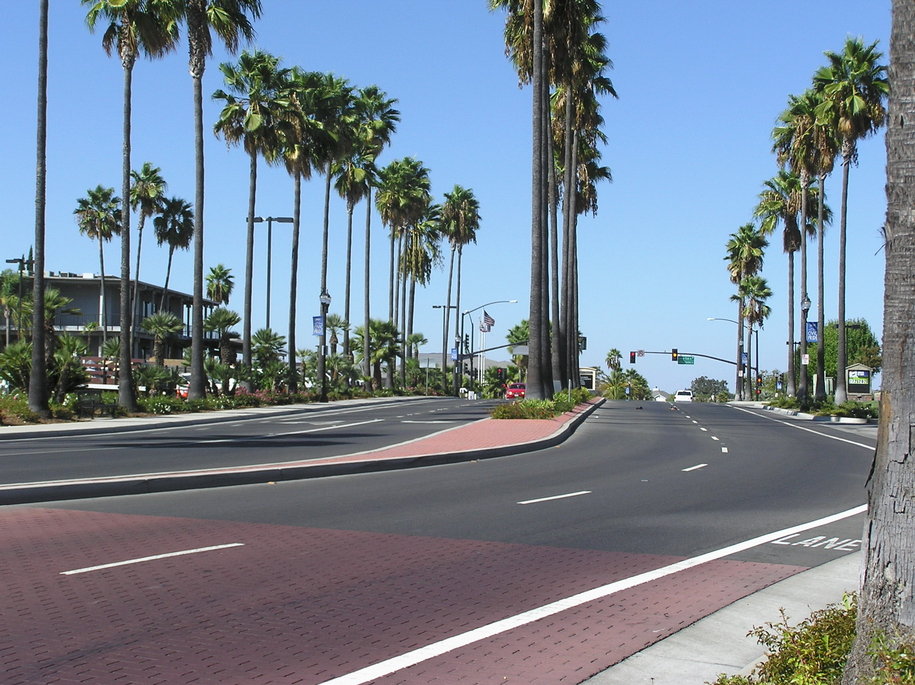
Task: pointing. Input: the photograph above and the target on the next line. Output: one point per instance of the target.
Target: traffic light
(632, 357)
(673, 354)
(500, 373)
(758, 385)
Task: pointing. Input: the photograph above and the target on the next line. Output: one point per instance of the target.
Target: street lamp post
(270, 220)
(322, 353)
(738, 382)
(802, 385)
(446, 308)
(21, 262)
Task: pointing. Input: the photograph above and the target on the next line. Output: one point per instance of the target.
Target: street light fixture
(270, 220)
(325, 305)
(739, 381)
(805, 308)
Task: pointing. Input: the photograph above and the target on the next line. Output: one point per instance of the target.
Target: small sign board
(685, 359)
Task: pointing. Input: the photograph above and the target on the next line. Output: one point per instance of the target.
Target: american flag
(486, 323)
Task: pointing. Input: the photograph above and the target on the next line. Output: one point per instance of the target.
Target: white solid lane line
(694, 468)
(141, 560)
(397, 663)
(554, 497)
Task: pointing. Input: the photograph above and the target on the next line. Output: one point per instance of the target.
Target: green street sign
(683, 359)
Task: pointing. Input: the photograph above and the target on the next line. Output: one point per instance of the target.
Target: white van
(683, 396)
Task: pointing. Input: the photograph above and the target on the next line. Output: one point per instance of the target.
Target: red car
(514, 391)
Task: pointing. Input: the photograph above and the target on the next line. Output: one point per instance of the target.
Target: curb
(214, 478)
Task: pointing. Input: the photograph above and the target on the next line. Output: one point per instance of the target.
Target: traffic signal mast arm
(670, 353)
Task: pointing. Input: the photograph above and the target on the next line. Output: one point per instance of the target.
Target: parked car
(683, 396)
(514, 391)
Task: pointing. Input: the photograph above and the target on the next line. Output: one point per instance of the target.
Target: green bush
(14, 407)
(541, 409)
(813, 652)
(162, 404)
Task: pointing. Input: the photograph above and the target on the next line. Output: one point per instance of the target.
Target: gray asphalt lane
(311, 432)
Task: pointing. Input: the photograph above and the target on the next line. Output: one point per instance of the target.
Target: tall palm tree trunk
(366, 345)
(458, 365)
(535, 377)
(168, 274)
(445, 320)
(391, 287)
(819, 393)
(102, 310)
(135, 291)
(322, 355)
(738, 383)
(886, 604)
(805, 190)
(127, 397)
(292, 381)
(249, 265)
(790, 387)
(38, 379)
(197, 383)
(348, 279)
(570, 288)
(841, 354)
(558, 313)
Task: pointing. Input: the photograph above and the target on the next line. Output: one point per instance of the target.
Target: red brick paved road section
(304, 605)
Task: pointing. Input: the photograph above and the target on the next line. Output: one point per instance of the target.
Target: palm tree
(795, 143)
(525, 41)
(133, 28)
(421, 254)
(403, 197)
(614, 360)
(146, 196)
(336, 326)
(303, 135)
(780, 203)
(230, 20)
(252, 115)
(384, 345)
(220, 283)
(221, 321)
(753, 291)
(38, 378)
(337, 121)
(853, 88)
(460, 222)
(99, 217)
(174, 227)
(161, 325)
(745, 258)
(376, 121)
(886, 603)
(806, 140)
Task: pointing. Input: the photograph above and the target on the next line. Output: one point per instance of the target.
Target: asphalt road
(310, 432)
(309, 581)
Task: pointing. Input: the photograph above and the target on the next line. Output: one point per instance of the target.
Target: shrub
(541, 409)
(162, 404)
(14, 408)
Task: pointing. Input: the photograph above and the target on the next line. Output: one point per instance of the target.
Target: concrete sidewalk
(719, 643)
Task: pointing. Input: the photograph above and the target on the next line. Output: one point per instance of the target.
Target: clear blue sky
(700, 87)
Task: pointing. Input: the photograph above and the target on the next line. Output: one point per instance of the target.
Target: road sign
(685, 359)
